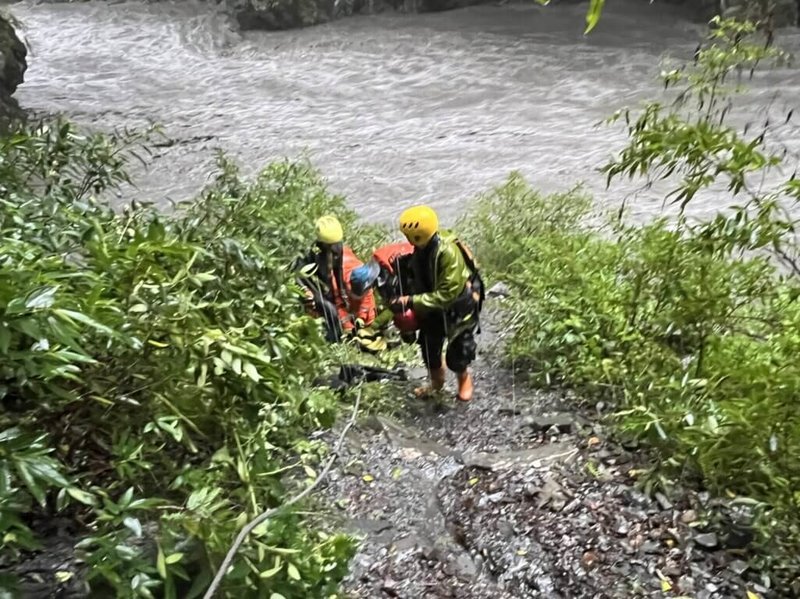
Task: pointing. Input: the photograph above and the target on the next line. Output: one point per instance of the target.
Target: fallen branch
(237, 543)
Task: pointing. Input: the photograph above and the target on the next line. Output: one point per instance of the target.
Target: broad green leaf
(133, 525)
(10, 434)
(5, 338)
(161, 563)
(32, 485)
(292, 571)
(81, 496)
(41, 298)
(252, 372)
(593, 14)
(277, 566)
(71, 315)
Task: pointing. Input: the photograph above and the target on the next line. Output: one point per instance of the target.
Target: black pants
(460, 350)
(330, 315)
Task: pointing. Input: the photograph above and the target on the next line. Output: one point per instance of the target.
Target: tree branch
(237, 543)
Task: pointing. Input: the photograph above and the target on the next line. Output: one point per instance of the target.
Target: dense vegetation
(157, 373)
(691, 329)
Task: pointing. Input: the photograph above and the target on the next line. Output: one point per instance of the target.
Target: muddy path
(516, 495)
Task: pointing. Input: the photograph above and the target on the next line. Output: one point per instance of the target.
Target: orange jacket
(363, 308)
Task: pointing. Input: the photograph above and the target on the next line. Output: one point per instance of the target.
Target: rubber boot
(436, 382)
(465, 386)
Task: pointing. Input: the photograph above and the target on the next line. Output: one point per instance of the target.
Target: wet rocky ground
(517, 495)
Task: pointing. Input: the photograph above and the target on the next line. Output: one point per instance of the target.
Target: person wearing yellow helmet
(447, 298)
(325, 273)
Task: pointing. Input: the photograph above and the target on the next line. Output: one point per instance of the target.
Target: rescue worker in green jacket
(447, 299)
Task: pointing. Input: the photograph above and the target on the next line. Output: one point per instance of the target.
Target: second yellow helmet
(329, 230)
(419, 224)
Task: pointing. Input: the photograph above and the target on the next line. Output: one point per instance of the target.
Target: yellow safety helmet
(329, 230)
(419, 224)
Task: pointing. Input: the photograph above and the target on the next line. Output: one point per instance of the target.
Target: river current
(392, 108)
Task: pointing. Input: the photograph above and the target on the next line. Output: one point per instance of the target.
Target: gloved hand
(401, 304)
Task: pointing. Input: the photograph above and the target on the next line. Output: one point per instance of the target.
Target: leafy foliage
(690, 329)
(157, 372)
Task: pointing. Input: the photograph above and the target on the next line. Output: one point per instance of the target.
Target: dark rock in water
(440, 5)
(281, 14)
(273, 15)
(13, 64)
(707, 540)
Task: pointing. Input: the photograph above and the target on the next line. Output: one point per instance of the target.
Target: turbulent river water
(393, 108)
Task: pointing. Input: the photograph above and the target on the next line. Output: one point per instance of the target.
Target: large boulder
(440, 5)
(13, 65)
(784, 12)
(289, 14)
(281, 14)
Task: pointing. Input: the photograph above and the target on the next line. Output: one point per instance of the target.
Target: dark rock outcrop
(281, 14)
(784, 12)
(13, 64)
(289, 14)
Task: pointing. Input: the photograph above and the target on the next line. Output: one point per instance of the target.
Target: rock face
(281, 14)
(12, 70)
(289, 14)
(784, 12)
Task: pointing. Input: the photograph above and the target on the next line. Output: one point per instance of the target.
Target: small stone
(496, 497)
(738, 567)
(760, 589)
(686, 585)
(389, 587)
(707, 540)
(589, 559)
(712, 588)
(499, 289)
(505, 529)
(651, 547)
(622, 528)
(563, 423)
(671, 570)
(663, 501)
(466, 567)
(689, 516)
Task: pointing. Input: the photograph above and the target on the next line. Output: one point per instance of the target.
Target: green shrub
(157, 371)
(697, 352)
